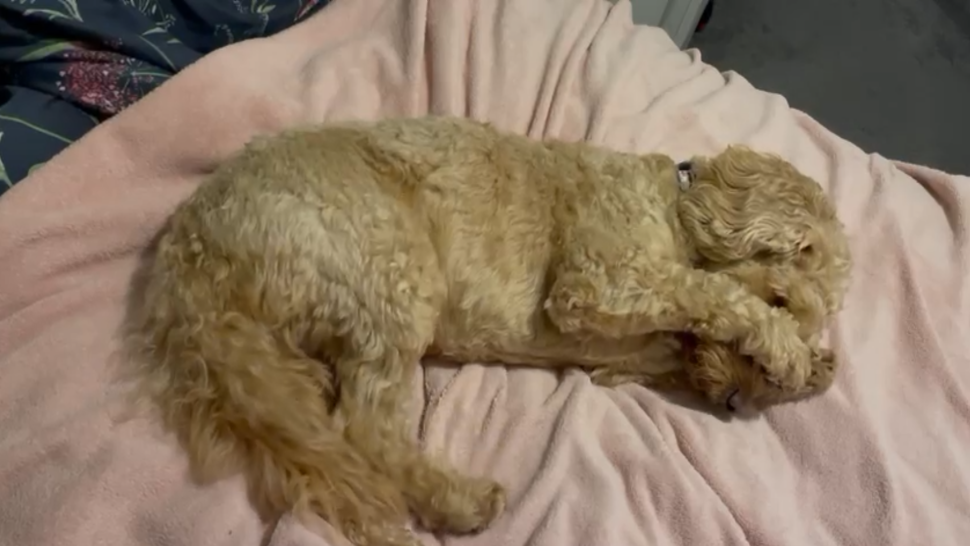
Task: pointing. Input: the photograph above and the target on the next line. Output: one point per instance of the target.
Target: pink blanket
(883, 459)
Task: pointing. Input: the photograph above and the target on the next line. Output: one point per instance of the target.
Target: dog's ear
(746, 205)
(727, 226)
(764, 234)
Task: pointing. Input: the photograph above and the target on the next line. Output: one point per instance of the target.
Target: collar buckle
(685, 175)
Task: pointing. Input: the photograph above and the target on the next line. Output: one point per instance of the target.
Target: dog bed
(879, 460)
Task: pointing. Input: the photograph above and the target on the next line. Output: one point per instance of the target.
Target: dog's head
(731, 381)
(756, 218)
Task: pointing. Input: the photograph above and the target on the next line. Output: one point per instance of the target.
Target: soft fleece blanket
(883, 459)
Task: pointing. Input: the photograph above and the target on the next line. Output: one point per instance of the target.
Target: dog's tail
(245, 398)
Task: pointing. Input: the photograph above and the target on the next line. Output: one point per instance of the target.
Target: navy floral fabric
(67, 65)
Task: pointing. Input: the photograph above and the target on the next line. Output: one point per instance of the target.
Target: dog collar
(685, 175)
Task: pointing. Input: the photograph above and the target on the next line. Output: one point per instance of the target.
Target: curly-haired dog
(292, 296)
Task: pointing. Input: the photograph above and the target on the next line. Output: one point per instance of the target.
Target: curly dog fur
(291, 298)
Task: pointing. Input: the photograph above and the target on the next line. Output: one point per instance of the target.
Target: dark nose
(684, 166)
(733, 402)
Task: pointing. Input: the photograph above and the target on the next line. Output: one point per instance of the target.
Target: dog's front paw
(791, 376)
(823, 357)
(784, 359)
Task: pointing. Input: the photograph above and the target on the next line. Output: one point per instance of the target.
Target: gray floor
(893, 76)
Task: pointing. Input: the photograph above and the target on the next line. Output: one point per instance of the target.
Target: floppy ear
(769, 232)
(727, 225)
(743, 204)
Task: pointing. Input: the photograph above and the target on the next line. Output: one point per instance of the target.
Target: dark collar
(685, 175)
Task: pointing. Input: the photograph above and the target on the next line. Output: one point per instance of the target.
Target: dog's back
(475, 195)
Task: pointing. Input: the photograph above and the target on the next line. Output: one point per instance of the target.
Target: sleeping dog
(291, 298)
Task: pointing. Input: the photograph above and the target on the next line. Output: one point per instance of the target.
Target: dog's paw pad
(770, 377)
(823, 356)
(792, 382)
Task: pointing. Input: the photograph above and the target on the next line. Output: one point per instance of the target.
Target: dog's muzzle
(685, 175)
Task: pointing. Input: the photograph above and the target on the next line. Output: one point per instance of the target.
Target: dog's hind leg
(387, 304)
(375, 391)
(244, 397)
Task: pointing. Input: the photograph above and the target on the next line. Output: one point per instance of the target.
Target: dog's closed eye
(778, 301)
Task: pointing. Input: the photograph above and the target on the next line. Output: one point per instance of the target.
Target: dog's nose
(733, 403)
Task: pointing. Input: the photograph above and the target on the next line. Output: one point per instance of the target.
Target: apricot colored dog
(291, 299)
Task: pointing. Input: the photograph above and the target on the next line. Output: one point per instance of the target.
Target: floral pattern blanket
(66, 65)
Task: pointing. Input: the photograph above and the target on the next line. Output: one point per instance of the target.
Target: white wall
(678, 17)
